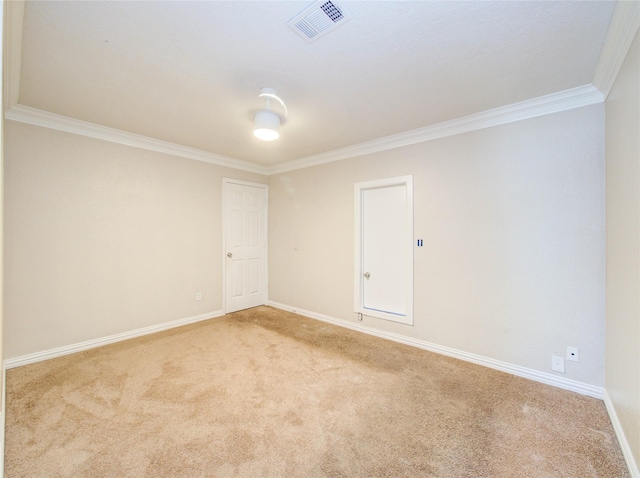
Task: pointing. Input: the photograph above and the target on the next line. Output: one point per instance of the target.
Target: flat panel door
(384, 249)
(245, 246)
(384, 258)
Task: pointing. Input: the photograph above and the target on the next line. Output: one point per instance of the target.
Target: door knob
(367, 275)
(229, 255)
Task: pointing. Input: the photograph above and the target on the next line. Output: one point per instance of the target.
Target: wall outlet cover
(557, 363)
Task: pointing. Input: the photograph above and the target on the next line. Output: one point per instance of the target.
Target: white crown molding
(13, 22)
(36, 117)
(90, 344)
(622, 30)
(535, 375)
(544, 105)
(622, 439)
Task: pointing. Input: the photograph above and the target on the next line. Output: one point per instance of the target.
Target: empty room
(321, 239)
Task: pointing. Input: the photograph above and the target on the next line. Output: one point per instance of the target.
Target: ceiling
(189, 73)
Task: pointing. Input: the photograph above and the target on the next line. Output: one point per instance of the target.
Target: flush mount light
(266, 121)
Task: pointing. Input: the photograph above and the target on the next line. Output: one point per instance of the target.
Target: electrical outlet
(573, 354)
(557, 363)
(198, 295)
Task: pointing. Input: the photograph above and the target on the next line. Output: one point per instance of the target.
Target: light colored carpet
(265, 393)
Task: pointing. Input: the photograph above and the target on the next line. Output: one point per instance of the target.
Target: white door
(384, 275)
(245, 245)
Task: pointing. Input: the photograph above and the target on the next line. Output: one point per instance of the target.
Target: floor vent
(318, 19)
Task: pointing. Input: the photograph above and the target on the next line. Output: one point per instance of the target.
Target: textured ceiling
(190, 72)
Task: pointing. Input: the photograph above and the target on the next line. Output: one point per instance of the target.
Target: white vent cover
(318, 19)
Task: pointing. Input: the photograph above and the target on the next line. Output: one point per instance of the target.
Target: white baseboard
(90, 344)
(622, 439)
(549, 379)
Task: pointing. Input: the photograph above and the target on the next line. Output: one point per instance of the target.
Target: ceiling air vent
(318, 20)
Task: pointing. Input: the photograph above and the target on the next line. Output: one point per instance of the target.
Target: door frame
(265, 187)
(359, 188)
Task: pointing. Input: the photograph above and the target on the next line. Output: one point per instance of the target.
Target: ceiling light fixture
(266, 121)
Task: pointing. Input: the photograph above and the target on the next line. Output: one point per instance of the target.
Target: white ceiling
(190, 72)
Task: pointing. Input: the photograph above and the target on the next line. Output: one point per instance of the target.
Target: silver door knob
(229, 255)
(367, 275)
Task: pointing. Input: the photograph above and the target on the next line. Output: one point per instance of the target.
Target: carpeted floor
(265, 393)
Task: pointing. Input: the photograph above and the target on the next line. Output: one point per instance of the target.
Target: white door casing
(384, 249)
(244, 244)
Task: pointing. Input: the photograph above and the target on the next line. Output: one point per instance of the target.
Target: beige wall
(623, 247)
(512, 219)
(102, 238)
(2, 397)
